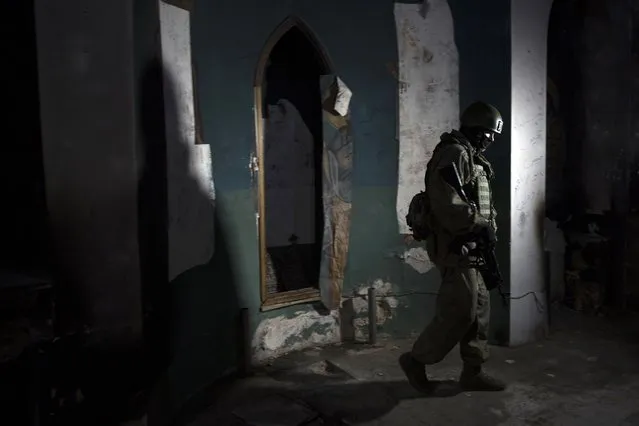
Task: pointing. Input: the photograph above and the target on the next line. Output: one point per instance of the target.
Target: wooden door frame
(305, 295)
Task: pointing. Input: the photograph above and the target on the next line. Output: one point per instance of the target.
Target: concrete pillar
(502, 55)
(86, 75)
(529, 31)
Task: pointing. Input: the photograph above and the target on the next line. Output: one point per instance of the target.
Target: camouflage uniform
(463, 305)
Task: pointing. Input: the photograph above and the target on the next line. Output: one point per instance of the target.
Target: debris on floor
(592, 381)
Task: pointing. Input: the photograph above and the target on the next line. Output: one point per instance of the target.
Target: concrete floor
(585, 373)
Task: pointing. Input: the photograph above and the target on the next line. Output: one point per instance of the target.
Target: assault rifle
(489, 269)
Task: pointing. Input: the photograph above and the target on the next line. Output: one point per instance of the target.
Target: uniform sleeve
(451, 212)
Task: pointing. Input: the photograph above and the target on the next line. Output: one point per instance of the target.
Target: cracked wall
(226, 71)
(302, 329)
(208, 298)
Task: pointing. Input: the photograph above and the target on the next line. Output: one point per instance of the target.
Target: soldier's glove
(486, 233)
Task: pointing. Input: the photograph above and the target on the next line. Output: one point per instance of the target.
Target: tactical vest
(478, 185)
(481, 191)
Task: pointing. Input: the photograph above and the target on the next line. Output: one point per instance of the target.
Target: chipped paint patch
(386, 305)
(418, 259)
(305, 329)
(428, 76)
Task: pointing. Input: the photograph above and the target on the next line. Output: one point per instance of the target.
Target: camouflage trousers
(462, 316)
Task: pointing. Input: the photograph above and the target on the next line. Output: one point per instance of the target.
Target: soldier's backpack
(418, 218)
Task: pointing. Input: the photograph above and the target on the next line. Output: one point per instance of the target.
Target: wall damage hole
(358, 308)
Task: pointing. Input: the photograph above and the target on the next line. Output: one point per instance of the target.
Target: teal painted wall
(360, 38)
(227, 42)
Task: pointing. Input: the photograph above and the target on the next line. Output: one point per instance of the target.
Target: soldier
(458, 219)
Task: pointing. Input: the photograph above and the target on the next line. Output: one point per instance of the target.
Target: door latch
(254, 165)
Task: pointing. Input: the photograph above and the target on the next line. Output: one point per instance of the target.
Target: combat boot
(415, 373)
(473, 379)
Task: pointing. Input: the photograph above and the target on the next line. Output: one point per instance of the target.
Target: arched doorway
(290, 150)
(591, 154)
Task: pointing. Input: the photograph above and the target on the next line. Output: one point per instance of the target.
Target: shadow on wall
(191, 322)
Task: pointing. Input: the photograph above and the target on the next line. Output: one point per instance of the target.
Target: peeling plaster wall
(302, 329)
(225, 80)
(191, 192)
(376, 248)
(529, 34)
(417, 258)
(386, 303)
(428, 91)
(208, 297)
(286, 333)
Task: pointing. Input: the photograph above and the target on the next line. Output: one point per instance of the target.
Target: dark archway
(292, 22)
(590, 62)
(289, 154)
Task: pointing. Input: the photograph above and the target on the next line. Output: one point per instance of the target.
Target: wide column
(502, 60)
(85, 61)
(529, 31)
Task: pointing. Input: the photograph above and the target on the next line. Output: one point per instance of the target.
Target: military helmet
(484, 116)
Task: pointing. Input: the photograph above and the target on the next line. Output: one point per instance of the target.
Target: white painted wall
(529, 26)
(191, 192)
(428, 92)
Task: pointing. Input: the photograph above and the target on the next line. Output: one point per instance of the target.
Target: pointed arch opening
(283, 29)
(289, 151)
